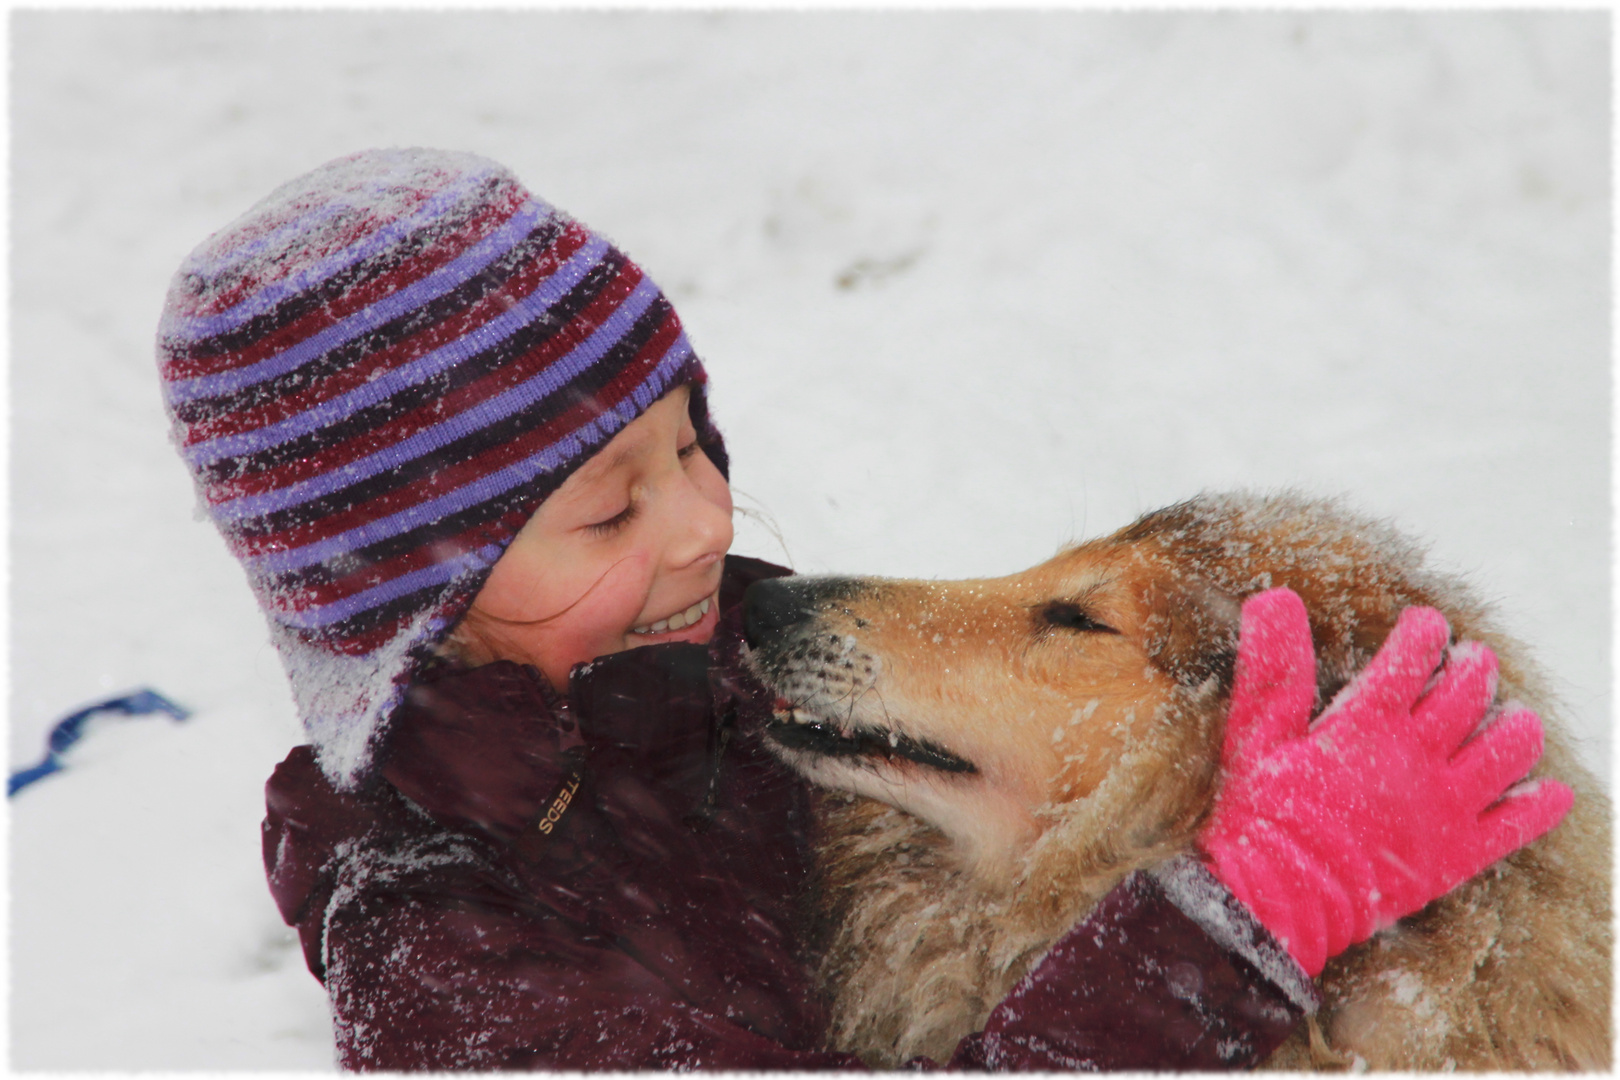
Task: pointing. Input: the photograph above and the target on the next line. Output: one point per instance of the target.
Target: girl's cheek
(611, 611)
(608, 609)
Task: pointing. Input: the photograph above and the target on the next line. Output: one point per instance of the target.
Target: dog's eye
(1071, 617)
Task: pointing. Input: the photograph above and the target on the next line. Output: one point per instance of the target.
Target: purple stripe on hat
(243, 253)
(436, 284)
(485, 487)
(523, 313)
(199, 327)
(547, 381)
(437, 574)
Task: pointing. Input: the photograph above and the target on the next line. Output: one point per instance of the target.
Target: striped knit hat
(376, 375)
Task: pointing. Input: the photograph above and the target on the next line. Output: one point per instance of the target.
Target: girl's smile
(687, 620)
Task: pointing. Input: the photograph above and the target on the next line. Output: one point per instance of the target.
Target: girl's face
(628, 552)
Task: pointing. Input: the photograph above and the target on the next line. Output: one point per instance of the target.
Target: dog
(998, 754)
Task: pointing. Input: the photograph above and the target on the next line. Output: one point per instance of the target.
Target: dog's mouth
(796, 729)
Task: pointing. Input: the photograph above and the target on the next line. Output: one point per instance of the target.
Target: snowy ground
(969, 285)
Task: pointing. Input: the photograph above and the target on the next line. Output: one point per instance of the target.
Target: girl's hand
(1330, 832)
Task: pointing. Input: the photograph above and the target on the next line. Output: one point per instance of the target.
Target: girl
(461, 446)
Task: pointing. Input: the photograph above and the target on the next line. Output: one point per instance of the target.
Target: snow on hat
(376, 375)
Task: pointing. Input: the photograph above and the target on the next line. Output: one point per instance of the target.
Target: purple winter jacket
(619, 880)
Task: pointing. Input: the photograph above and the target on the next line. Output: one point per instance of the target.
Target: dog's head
(1096, 682)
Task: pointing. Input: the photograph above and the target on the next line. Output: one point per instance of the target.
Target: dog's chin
(988, 831)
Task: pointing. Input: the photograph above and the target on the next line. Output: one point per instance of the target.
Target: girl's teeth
(677, 621)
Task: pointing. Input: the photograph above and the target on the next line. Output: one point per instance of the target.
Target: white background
(969, 286)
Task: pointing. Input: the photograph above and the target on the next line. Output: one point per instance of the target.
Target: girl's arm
(1168, 971)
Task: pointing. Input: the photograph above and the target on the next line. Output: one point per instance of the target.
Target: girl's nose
(701, 526)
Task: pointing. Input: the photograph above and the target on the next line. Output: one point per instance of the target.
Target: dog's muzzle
(816, 671)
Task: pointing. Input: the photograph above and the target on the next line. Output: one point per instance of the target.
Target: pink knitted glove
(1329, 832)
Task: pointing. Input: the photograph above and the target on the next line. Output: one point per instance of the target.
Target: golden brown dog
(1007, 750)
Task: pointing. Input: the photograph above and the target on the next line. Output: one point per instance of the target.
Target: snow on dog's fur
(1002, 752)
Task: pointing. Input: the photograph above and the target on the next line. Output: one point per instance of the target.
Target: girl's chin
(698, 633)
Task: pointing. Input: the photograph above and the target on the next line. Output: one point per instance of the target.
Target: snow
(969, 285)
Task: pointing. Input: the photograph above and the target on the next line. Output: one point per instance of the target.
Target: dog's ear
(1190, 630)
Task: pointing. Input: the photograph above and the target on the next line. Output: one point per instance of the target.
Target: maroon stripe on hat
(308, 313)
(232, 415)
(350, 642)
(315, 594)
(469, 471)
(500, 516)
(353, 224)
(369, 630)
(372, 629)
(367, 434)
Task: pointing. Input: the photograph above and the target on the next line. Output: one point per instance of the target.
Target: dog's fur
(1001, 753)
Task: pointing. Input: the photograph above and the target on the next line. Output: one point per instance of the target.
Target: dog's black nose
(776, 606)
(772, 607)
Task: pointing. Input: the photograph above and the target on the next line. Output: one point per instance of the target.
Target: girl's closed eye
(609, 526)
(685, 453)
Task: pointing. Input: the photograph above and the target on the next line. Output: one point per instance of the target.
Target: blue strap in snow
(70, 729)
